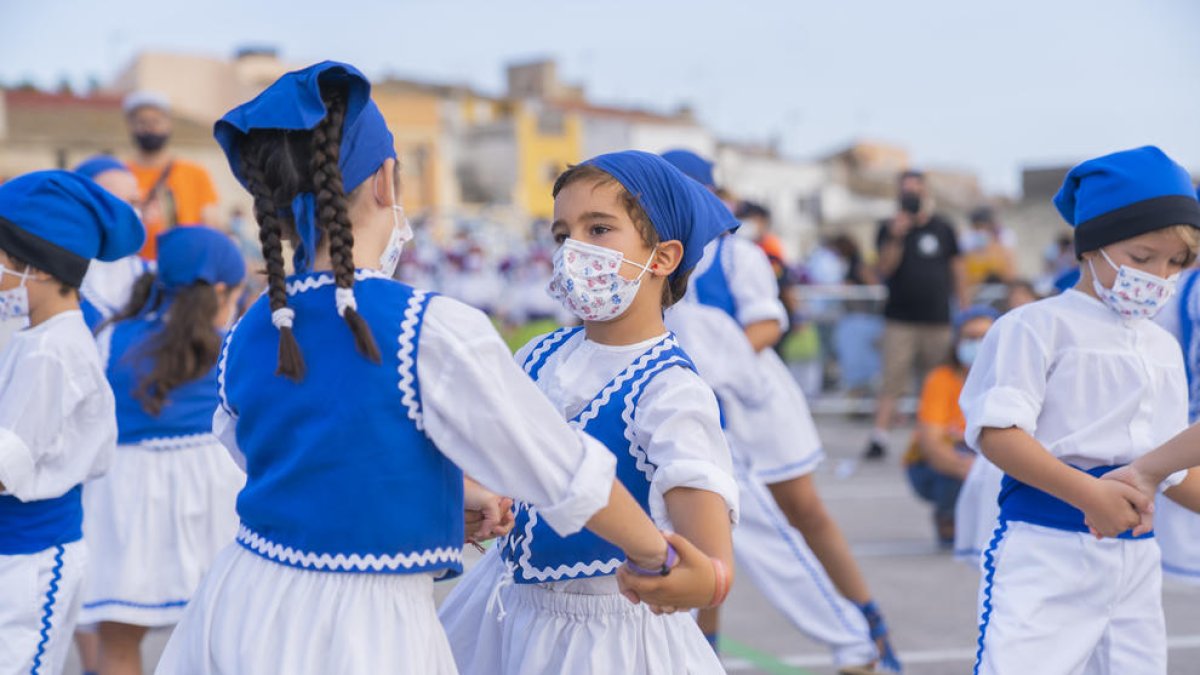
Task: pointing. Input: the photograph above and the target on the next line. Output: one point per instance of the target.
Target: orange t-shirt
(181, 200)
(939, 406)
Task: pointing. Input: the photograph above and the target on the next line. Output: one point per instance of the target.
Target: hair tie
(345, 300)
(283, 317)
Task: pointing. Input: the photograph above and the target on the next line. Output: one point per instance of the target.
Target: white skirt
(545, 631)
(977, 512)
(153, 525)
(252, 616)
(39, 602)
(1178, 532)
(779, 438)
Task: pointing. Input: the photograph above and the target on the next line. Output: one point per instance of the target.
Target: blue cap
(692, 165)
(195, 253)
(679, 208)
(1126, 194)
(294, 103)
(97, 164)
(58, 221)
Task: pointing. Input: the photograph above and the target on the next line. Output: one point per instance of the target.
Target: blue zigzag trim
(989, 566)
(48, 608)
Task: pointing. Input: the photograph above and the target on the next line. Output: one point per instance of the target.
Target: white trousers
(1062, 603)
(39, 603)
(773, 555)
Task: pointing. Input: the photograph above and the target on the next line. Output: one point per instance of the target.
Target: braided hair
(277, 165)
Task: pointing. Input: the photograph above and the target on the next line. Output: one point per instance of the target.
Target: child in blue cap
(157, 519)
(352, 400)
(630, 227)
(1069, 388)
(57, 421)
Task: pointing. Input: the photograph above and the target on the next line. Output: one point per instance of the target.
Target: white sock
(880, 436)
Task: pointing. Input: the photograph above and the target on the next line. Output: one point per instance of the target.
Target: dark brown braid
(333, 215)
(271, 230)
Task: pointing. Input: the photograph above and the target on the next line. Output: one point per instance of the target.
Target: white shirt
(485, 414)
(720, 351)
(677, 422)
(1092, 388)
(58, 421)
(751, 280)
(108, 285)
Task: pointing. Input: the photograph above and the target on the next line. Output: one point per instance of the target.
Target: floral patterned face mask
(1134, 294)
(587, 282)
(14, 303)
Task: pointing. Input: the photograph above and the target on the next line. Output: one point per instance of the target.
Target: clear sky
(989, 86)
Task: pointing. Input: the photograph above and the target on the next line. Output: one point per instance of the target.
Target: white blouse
(677, 421)
(485, 414)
(1092, 388)
(58, 422)
(751, 280)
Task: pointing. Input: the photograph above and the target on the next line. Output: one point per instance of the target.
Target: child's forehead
(1166, 239)
(589, 196)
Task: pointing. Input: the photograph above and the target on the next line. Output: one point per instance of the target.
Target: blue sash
(1028, 504)
(29, 527)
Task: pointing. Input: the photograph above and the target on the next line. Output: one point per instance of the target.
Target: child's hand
(488, 515)
(1134, 477)
(1112, 507)
(691, 582)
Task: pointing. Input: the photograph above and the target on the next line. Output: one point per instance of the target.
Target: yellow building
(548, 140)
(414, 115)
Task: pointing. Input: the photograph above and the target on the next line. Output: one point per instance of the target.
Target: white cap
(146, 99)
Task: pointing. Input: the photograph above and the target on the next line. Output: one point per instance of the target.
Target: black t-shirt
(919, 289)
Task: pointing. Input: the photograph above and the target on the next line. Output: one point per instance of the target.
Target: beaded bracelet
(672, 559)
(722, 583)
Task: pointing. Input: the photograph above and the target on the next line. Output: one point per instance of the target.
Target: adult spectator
(987, 259)
(920, 263)
(174, 191)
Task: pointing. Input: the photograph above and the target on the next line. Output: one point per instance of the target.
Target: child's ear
(667, 257)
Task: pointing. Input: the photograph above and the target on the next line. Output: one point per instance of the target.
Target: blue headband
(679, 208)
(98, 164)
(294, 103)
(974, 312)
(58, 221)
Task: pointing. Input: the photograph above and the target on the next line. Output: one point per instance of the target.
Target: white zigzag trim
(561, 571)
(631, 371)
(177, 442)
(326, 278)
(342, 562)
(408, 366)
(221, 365)
(639, 455)
(547, 342)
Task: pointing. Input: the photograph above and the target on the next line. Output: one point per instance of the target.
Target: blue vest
(1025, 503)
(712, 286)
(189, 408)
(340, 475)
(29, 527)
(535, 552)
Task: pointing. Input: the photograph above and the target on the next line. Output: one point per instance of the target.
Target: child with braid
(352, 400)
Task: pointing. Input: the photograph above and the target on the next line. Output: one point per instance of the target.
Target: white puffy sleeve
(1007, 383)
(752, 282)
(678, 426)
(488, 417)
(718, 347)
(224, 427)
(35, 462)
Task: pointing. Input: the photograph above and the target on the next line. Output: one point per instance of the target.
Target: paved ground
(928, 598)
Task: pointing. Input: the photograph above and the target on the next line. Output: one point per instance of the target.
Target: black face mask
(150, 142)
(910, 202)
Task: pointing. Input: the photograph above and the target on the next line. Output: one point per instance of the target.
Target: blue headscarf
(679, 208)
(692, 165)
(190, 254)
(294, 103)
(97, 164)
(974, 312)
(58, 221)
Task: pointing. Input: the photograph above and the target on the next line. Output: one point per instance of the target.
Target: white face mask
(587, 281)
(401, 234)
(14, 303)
(1134, 294)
